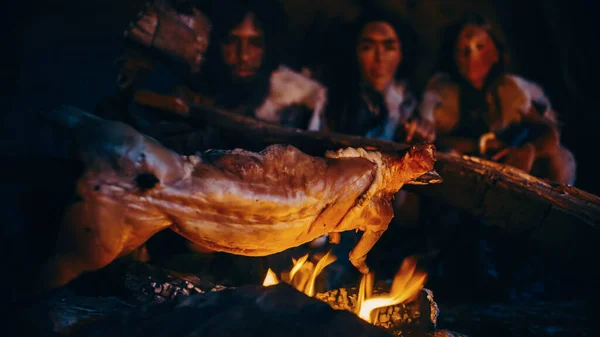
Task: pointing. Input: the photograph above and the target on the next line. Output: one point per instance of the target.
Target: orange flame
(364, 291)
(297, 265)
(271, 279)
(303, 274)
(323, 262)
(405, 287)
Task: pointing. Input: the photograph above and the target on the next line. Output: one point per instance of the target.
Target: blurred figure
(246, 74)
(481, 110)
(368, 94)
(163, 53)
(246, 67)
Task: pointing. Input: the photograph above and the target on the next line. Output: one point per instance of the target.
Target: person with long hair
(368, 82)
(247, 71)
(367, 74)
(480, 109)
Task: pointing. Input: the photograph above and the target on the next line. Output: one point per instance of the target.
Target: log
(147, 284)
(562, 221)
(244, 131)
(250, 310)
(418, 315)
(246, 311)
(558, 218)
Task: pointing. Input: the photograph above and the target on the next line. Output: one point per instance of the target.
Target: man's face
(379, 54)
(475, 54)
(243, 51)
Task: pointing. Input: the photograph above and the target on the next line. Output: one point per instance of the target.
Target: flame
(303, 274)
(323, 262)
(297, 265)
(364, 291)
(271, 279)
(406, 285)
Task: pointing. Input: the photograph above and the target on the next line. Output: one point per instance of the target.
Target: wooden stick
(562, 219)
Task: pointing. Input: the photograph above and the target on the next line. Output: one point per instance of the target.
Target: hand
(419, 129)
(521, 157)
(489, 143)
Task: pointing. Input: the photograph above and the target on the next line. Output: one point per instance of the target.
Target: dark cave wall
(65, 52)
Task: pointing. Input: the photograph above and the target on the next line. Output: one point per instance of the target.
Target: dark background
(64, 52)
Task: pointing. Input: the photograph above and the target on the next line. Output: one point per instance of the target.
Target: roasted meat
(233, 201)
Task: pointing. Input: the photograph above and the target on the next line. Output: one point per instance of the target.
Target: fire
(297, 265)
(303, 274)
(270, 279)
(406, 285)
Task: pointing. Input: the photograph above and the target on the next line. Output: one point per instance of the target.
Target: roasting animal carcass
(236, 201)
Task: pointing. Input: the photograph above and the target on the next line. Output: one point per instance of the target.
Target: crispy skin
(260, 204)
(235, 201)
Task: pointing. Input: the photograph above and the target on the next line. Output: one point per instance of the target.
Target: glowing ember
(405, 287)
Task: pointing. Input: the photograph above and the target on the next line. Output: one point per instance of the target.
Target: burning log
(153, 294)
(403, 306)
(561, 219)
(418, 315)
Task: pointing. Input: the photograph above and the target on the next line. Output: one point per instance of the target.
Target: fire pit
(278, 310)
(139, 299)
(161, 302)
(375, 305)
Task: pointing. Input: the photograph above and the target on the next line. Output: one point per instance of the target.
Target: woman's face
(379, 54)
(243, 50)
(475, 54)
